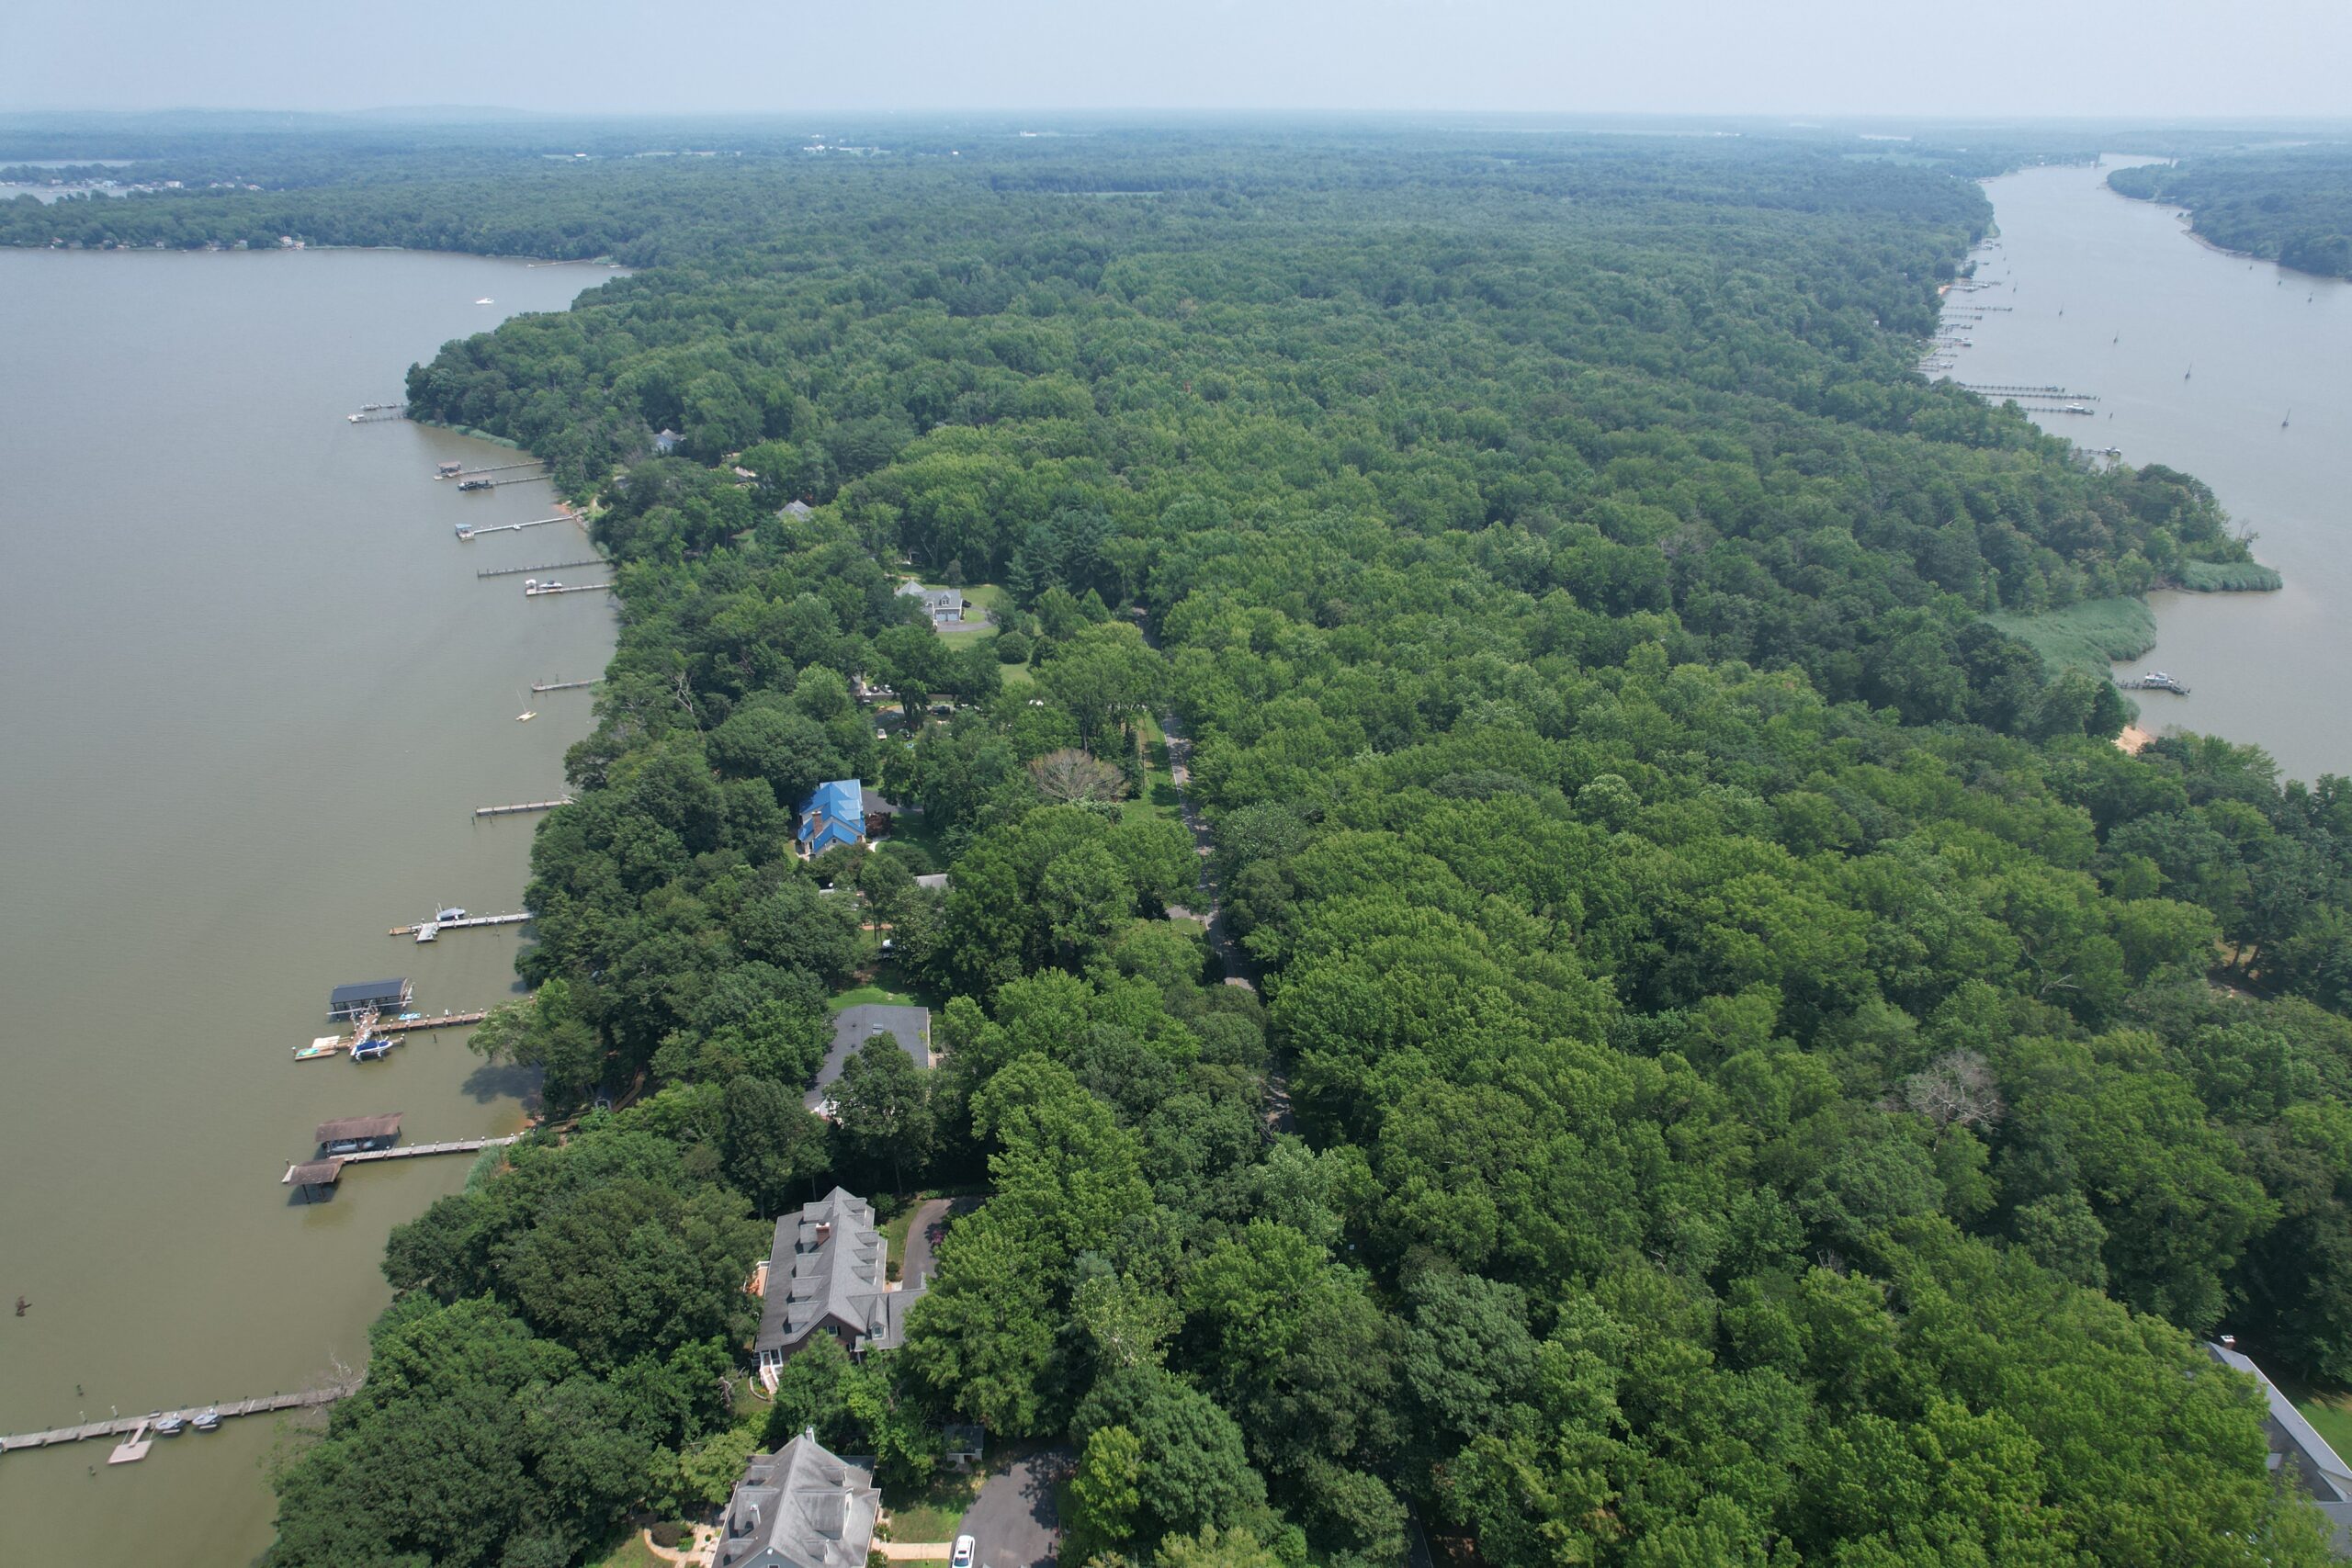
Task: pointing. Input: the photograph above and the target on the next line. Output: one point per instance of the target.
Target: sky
(2152, 59)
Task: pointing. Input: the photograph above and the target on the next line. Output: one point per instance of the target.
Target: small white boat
(485, 300)
(208, 1420)
(526, 715)
(451, 913)
(170, 1425)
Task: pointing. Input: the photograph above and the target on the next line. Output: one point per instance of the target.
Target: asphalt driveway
(1013, 1522)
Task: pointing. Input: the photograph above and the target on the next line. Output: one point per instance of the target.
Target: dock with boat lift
(463, 922)
(371, 413)
(454, 471)
(137, 1428)
(316, 1173)
(541, 590)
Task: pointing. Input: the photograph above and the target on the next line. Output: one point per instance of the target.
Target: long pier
(463, 922)
(134, 1425)
(563, 685)
(2056, 393)
(525, 570)
(328, 1171)
(532, 591)
(493, 468)
(446, 1021)
(519, 808)
(419, 1151)
(511, 527)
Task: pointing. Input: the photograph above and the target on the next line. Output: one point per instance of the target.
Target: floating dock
(469, 920)
(519, 808)
(136, 1427)
(2152, 683)
(370, 413)
(327, 1045)
(539, 590)
(563, 685)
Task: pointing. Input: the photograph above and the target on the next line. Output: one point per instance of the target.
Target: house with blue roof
(835, 813)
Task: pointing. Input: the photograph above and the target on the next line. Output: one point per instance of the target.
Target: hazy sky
(2154, 58)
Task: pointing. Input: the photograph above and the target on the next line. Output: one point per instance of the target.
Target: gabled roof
(801, 1508)
(835, 813)
(827, 1270)
(366, 991)
(2301, 1450)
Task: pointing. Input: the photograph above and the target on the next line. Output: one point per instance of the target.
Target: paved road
(1012, 1523)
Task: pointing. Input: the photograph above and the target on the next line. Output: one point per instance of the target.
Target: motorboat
(372, 1046)
(170, 1425)
(208, 1419)
(451, 913)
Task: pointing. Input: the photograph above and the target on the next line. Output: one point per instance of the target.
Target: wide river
(2197, 357)
(251, 690)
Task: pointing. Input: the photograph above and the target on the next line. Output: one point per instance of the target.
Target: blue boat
(373, 1046)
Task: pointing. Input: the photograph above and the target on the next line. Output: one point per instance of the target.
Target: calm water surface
(2145, 306)
(250, 690)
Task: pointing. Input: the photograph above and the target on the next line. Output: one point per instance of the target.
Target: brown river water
(2197, 357)
(250, 692)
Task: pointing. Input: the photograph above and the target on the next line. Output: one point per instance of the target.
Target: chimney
(824, 1232)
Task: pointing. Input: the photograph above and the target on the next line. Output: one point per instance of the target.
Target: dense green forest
(2292, 206)
(1738, 1067)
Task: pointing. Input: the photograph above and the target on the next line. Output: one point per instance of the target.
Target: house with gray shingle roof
(801, 1508)
(2297, 1449)
(829, 1273)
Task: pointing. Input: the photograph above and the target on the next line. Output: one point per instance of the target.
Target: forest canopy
(1732, 1065)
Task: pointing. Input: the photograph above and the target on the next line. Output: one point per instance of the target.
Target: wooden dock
(514, 919)
(526, 570)
(420, 1151)
(493, 468)
(443, 1021)
(517, 809)
(563, 685)
(532, 591)
(135, 1426)
(471, 533)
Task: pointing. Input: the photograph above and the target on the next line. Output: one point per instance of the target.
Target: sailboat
(2290, 414)
(2187, 373)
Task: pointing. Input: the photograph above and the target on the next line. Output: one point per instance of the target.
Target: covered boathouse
(369, 996)
(350, 1135)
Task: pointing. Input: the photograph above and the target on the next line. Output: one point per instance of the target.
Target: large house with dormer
(801, 1508)
(827, 1272)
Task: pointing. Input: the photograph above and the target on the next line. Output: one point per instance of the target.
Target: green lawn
(632, 1552)
(1158, 793)
(937, 1512)
(875, 994)
(2331, 1415)
(1019, 675)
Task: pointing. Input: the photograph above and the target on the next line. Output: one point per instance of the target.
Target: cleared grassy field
(2088, 636)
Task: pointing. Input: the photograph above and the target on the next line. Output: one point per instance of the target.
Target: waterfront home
(666, 441)
(829, 1273)
(801, 1508)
